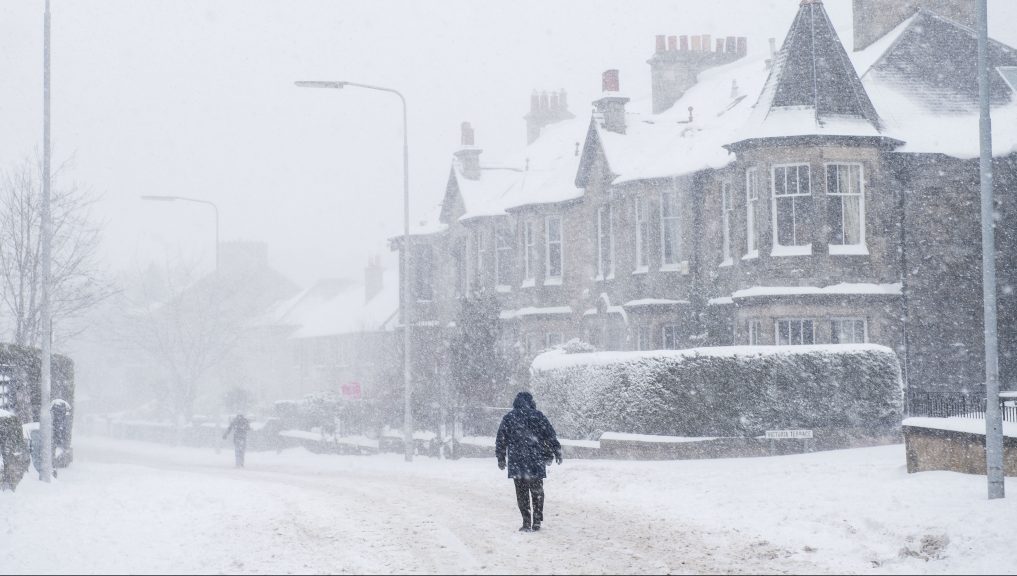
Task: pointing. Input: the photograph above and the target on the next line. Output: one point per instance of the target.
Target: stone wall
(934, 449)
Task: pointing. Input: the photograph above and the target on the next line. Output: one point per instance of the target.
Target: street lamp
(405, 303)
(214, 207)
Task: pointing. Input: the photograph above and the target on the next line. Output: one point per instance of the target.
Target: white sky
(196, 98)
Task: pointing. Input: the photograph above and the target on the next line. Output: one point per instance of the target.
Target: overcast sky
(196, 98)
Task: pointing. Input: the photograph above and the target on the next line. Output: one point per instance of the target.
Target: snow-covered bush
(14, 458)
(722, 391)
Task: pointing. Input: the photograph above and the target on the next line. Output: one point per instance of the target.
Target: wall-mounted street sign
(781, 434)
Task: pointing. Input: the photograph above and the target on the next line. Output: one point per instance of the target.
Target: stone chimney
(874, 18)
(468, 154)
(676, 62)
(611, 105)
(545, 109)
(373, 278)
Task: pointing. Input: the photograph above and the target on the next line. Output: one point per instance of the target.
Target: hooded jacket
(527, 439)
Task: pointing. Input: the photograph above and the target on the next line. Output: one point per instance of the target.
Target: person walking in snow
(240, 426)
(526, 443)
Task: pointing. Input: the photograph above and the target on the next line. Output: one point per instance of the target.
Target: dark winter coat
(527, 439)
(240, 426)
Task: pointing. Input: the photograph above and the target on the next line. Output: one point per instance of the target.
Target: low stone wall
(933, 449)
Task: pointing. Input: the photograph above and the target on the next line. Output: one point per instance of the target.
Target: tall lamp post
(405, 303)
(212, 204)
(45, 241)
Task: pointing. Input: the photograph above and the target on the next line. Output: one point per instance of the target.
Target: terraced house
(808, 195)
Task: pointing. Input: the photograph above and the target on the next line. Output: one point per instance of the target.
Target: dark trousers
(238, 451)
(525, 488)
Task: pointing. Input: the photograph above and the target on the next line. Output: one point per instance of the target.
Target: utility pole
(993, 416)
(45, 314)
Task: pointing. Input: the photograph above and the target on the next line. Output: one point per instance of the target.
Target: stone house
(814, 196)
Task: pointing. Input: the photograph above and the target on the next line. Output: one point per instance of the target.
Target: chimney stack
(611, 105)
(468, 155)
(545, 109)
(675, 70)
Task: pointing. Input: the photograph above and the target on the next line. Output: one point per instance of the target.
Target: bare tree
(77, 282)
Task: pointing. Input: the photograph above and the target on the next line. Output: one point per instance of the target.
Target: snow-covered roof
(334, 307)
(556, 359)
(922, 78)
(653, 302)
(844, 288)
(668, 144)
(534, 311)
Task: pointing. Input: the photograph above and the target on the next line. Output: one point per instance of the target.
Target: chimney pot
(720, 46)
(609, 81)
(554, 102)
(672, 43)
(732, 45)
(690, 114)
(773, 47)
(684, 43)
(706, 42)
(697, 43)
(534, 102)
(563, 100)
(734, 89)
(467, 134)
(545, 103)
(660, 42)
(743, 46)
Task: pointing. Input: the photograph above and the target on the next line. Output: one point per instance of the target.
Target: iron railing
(948, 405)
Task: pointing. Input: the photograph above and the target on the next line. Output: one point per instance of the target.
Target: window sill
(641, 270)
(848, 250)
(670, 268)
(779, 251)
(555, 281)
(727, 263)
(529, 283)
(503, 288)
(751, 255)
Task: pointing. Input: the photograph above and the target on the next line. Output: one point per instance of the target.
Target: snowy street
(141, 508)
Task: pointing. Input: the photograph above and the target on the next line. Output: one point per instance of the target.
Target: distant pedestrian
(527, 443)
(240, 426)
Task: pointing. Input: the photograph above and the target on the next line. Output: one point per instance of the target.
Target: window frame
(859, 248)
(726, 206)
(753, 329)
(503, 243)
(550, 278)
(605, 254)
(790, 249)
(840, 320)
(642, 235)
(801, 321)
(751, 213)
(529, 251)
(674, 220)
(674, 337)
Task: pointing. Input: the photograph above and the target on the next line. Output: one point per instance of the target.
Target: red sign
(352, 389)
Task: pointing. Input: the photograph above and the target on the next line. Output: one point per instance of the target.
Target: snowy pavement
(127, 507)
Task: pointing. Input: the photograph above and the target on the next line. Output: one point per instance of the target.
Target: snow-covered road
(141, 508)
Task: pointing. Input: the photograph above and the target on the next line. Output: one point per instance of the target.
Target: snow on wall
(720, 391)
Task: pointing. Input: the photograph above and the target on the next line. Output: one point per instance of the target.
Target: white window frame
(643, 338)
(550, 278)
(839, 248)
(503, 258)
(552, 339)
(529, 251)
(725, 217)
(801, 330)
(605, 254)
(479, 249)
(834, 322)
(791, 249)
(674, 220)
(675, 330)
(642, 235)
(754, 327)
(751, 213)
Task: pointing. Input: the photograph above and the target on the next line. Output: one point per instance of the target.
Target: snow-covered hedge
(722, 391)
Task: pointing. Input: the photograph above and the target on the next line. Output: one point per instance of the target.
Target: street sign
(782, 434)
